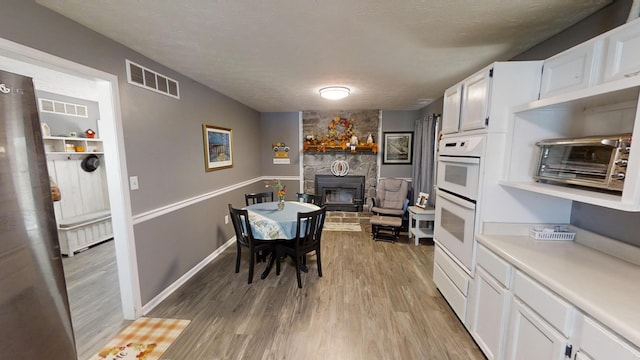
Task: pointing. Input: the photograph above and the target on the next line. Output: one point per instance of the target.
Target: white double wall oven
(458, 180)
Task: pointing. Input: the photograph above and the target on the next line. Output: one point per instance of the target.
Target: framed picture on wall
(218, 147)
(398, 148)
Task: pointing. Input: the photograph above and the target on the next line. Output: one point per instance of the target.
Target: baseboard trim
(184, 278)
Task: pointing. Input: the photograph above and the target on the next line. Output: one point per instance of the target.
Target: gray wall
(434, 108)
(280, 127)
(163, 139)
(609, 17)
(285, 127)
(397, 121)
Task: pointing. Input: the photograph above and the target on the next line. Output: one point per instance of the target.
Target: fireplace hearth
(341, 193)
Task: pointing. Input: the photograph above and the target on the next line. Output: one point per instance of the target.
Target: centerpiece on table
(280, 191)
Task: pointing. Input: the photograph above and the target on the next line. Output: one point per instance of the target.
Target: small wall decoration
(340, 168)
(421, 201)
(218, 147)
(280, 150)
(398, 148)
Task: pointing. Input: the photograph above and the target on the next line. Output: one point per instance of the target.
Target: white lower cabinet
(531, 337)
(595, 342)
(514, 317)
(490, 314)
(490, 300)
(541, 322)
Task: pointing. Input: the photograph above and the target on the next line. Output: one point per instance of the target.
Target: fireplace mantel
(338, 148)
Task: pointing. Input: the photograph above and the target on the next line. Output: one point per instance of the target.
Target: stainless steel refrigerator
(35, 322)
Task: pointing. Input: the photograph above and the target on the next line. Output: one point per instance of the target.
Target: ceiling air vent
(141, 76)
(60, 107)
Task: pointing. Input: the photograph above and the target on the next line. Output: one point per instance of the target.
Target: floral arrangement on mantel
(340, 133)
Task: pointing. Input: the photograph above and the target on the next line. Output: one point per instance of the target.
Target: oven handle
(461, 160)
(456, 200)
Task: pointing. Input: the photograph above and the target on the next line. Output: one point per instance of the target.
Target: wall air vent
(59, 107)
(141, 76)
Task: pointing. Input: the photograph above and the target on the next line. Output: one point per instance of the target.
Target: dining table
(268, 223)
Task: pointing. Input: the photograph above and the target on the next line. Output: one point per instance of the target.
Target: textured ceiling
(274, 55)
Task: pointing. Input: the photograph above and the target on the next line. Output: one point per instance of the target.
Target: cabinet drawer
(548, 305)
(455, 298)
(458, 277)
(495, 266)
(600, 343)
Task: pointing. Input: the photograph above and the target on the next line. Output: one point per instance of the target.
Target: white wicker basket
(541, 234)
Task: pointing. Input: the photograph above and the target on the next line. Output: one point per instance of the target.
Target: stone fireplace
(344, 193)
(362, 165)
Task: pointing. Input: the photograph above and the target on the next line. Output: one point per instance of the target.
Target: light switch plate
(133, 182)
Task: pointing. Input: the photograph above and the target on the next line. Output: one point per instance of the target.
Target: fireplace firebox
(341, 193)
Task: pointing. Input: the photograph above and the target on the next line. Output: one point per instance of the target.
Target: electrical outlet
(133, 183)
(226, 219)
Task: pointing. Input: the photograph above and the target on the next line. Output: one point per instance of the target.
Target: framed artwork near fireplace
(218, 147)
(398, 148)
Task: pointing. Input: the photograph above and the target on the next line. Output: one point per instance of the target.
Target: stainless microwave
(595, 161)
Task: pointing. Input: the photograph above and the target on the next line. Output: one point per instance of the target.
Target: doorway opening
(49, 73)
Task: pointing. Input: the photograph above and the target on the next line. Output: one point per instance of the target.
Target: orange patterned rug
(144, 339)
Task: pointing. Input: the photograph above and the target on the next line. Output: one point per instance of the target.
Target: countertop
(599, 285)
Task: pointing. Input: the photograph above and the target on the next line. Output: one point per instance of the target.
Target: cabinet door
(531, 338)
(475, 101)
(582, 356)
(601, 344)
(574, 69)
(623, 53)
(451, 109)
(491, 305)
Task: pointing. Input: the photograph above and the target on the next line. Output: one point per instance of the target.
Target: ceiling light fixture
(334, 92)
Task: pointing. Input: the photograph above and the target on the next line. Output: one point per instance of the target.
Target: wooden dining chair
(244, 238)
(308, 236)
(309, 198)
(253, 198)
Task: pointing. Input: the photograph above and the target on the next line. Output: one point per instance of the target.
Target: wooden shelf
(58, 145)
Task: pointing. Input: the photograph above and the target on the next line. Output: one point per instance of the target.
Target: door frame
(111, 134)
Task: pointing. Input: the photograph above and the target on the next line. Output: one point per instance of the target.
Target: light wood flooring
(94, 298)
(376, 300)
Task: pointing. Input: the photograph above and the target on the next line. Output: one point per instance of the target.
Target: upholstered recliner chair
(391, 197)
(389, 208)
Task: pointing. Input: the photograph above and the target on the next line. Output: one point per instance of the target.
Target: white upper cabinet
(475, 100)
(576, 68)
(477, 104)
(622, 52)
(451, 109)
